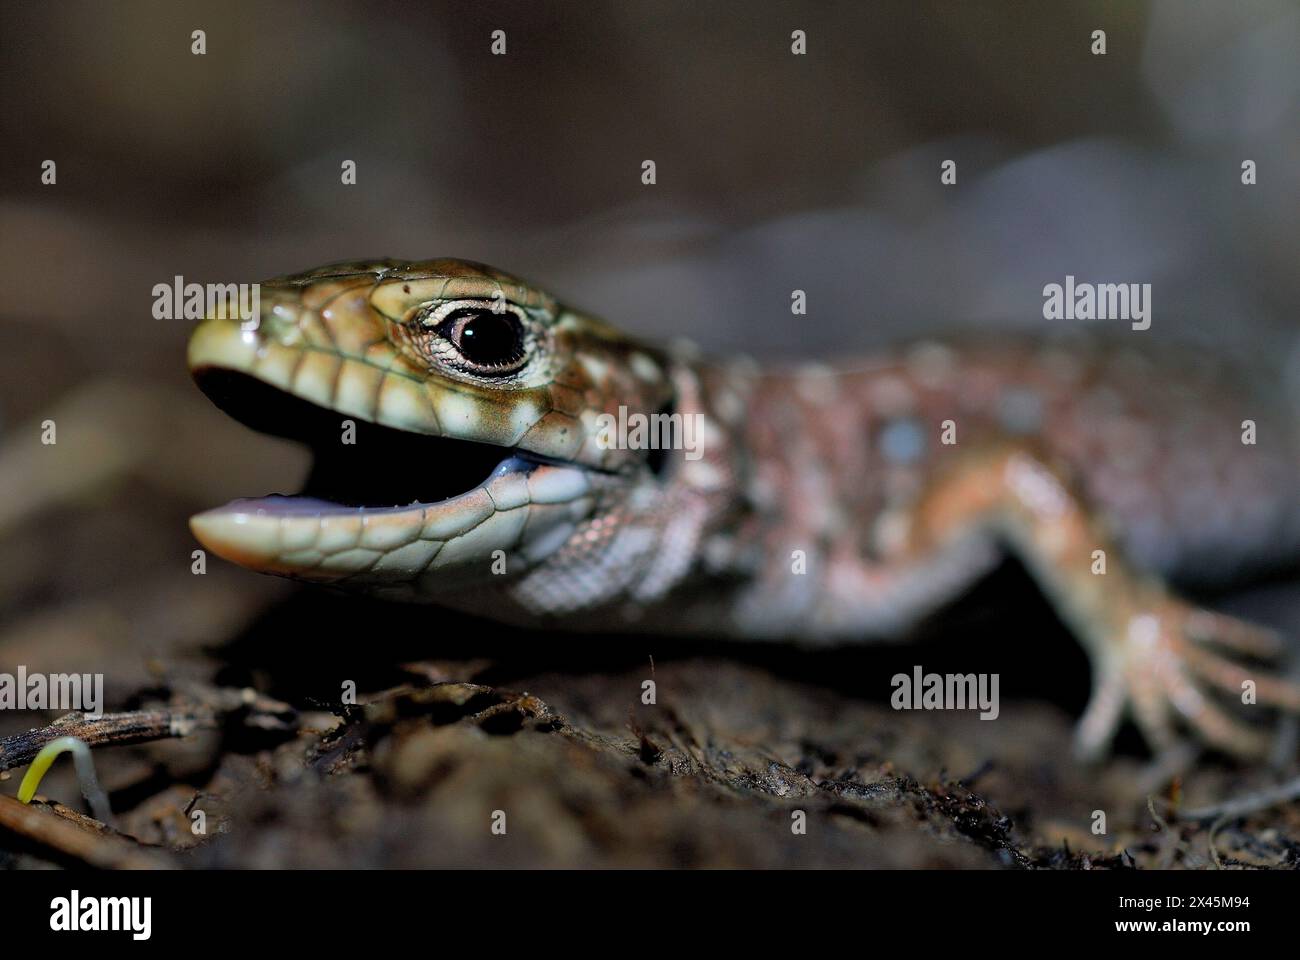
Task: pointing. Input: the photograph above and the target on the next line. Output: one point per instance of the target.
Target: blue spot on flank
(1020, 410)
(902, 441)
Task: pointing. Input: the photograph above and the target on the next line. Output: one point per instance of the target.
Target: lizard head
(454, 413)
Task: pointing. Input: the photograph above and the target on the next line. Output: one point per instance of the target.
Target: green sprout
(90, 788)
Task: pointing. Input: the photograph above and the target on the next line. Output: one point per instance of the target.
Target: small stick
(138, 726)
(72, 838)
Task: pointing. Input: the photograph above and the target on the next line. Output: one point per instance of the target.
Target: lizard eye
(490, 339)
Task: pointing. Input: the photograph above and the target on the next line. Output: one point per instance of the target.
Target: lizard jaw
(392, 507)
(526, 514)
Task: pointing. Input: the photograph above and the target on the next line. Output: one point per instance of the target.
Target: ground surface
(550, 730)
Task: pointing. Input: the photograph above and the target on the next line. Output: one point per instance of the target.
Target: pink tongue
(282, 506)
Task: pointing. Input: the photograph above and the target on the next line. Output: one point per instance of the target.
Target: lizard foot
(1156, 663)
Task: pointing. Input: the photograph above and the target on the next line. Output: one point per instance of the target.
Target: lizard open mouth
(357, 463)
(401, 511)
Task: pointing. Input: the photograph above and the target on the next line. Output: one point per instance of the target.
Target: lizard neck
(664, 540)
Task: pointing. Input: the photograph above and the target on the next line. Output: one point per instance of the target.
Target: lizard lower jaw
(525, 510)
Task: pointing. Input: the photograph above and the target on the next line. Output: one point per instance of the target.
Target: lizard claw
(1154, 663)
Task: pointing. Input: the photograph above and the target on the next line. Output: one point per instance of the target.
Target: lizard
(459, 419)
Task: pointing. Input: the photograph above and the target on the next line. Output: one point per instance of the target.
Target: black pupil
(486, 338)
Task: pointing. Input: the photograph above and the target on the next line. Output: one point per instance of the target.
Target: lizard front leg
(1151, 652)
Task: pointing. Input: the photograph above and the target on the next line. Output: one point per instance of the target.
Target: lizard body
(823, 505)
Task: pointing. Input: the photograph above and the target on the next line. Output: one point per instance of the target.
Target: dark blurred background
(774, 171)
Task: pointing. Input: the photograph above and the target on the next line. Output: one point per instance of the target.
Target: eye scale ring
(488, 338)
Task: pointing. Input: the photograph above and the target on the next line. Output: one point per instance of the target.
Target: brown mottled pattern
(1154, 441)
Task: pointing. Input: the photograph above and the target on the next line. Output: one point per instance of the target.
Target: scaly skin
(825, 506)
